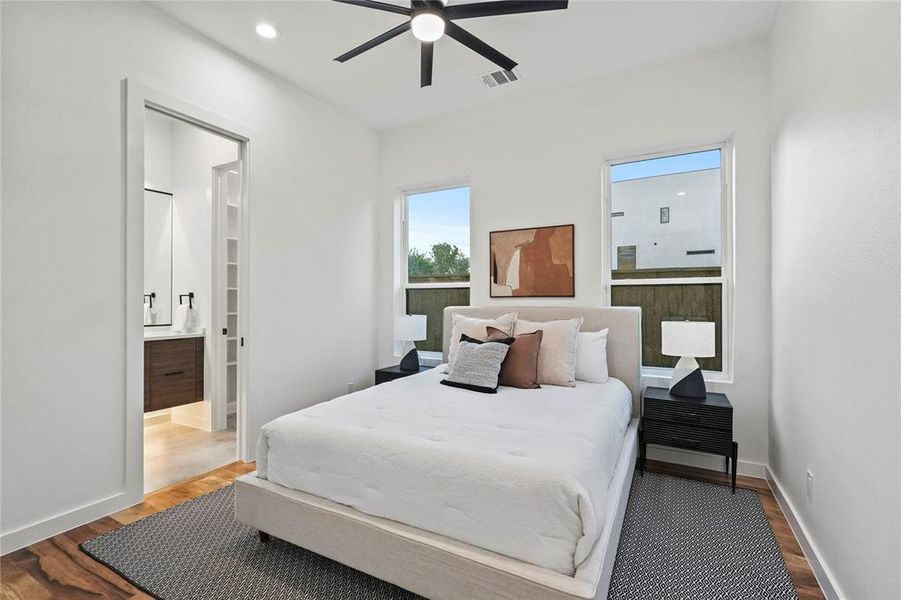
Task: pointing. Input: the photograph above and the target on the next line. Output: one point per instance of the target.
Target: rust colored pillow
(520, 367)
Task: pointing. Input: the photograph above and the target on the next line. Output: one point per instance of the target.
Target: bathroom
(192, 230)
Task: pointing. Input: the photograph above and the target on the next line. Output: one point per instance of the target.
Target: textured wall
(837, 284)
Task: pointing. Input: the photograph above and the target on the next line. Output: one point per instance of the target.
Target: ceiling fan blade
(475, 44)
(391, 33)
(425, 64)
(506, 7)
(401, 10)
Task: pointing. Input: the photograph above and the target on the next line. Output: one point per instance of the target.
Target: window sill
(427, 359)
(660, 374)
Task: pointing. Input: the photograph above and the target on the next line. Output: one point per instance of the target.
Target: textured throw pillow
(475, 328)
(520, 367)
(591, 356)
(557, 354)
(477, 364)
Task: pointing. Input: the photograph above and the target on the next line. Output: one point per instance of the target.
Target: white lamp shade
(696, 339)
(427, 26)
(410, 328)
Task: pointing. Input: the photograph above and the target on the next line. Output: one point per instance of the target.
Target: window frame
(427, 357)
(726, 278)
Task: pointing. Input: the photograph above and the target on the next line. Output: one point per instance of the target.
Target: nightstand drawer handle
(689, 417)
(174, 373)
(685, 442)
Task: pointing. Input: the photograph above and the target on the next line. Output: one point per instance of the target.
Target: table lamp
(688, 340)
(410, 329)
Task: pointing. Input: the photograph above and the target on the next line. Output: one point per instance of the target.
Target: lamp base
(410, 362)
(688, 381)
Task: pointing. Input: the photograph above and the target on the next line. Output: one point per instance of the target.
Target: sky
(681, 163)
(440, 216)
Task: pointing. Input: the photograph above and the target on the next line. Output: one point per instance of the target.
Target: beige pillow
(557, 354)
(476, 328)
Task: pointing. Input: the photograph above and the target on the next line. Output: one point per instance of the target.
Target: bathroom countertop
(151, 335)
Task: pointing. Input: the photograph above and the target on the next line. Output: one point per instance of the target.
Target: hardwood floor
(55, 568)
(174, 453)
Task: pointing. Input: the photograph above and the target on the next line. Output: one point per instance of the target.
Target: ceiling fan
(431, 19)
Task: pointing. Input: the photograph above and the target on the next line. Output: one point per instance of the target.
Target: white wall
(312, 176)
(836, 269)
(540, 160)
(158, 151)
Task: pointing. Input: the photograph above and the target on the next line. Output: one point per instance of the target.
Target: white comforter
(523, 473)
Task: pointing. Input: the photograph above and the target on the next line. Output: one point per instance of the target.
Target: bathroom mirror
(157, 258)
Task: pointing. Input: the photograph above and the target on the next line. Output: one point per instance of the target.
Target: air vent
(502, 77)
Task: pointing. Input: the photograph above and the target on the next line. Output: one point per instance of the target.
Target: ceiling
(381, 86)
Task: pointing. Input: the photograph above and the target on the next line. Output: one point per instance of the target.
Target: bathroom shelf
(233, 363)
(231, 313)
(232, 263)
(231, 339)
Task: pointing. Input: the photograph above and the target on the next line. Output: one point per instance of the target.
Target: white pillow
(475, 328)
(557, 354)
(591, 356)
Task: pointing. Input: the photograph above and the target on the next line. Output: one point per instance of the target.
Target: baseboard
(158, 417)
(817, 565)
(704, 461)
(198, 415)
(41, 530)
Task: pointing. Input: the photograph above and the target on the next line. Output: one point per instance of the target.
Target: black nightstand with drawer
(395, 372)
(704, 425)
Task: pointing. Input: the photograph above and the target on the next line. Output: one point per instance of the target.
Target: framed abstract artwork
(533, 263)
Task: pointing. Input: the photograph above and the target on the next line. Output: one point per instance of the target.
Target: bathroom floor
(173, 453)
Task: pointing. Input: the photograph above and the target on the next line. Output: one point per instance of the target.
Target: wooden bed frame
(439, 567)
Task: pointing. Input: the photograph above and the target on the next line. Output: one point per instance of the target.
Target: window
(437, 263)
(670, 250)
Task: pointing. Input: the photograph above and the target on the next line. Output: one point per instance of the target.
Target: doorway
(227, 242)
(181, 164)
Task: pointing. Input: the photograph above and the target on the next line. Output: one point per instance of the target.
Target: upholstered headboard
(623, 341)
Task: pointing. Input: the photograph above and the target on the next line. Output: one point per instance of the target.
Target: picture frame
(533, 262)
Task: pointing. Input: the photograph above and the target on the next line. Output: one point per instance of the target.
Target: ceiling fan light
(427, 26)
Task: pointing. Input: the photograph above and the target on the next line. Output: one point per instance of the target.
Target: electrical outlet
(350, 387)
(809, 486)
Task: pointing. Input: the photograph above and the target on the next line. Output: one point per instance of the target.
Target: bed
(453, 494)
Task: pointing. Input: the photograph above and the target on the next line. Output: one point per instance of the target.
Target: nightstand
(701, 424)
(392, 373)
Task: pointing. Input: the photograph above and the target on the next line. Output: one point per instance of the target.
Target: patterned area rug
(681, 539)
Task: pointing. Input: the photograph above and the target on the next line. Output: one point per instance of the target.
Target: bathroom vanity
(173, 369)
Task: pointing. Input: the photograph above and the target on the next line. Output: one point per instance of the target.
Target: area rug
(684, 538)
(681, 539)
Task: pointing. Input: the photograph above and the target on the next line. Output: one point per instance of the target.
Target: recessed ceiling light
(680, 193)
(267, 30)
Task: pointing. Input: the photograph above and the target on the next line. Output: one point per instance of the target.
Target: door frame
(137, 98)
(219, 292)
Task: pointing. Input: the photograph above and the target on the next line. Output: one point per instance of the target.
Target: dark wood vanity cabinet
(173, 373)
